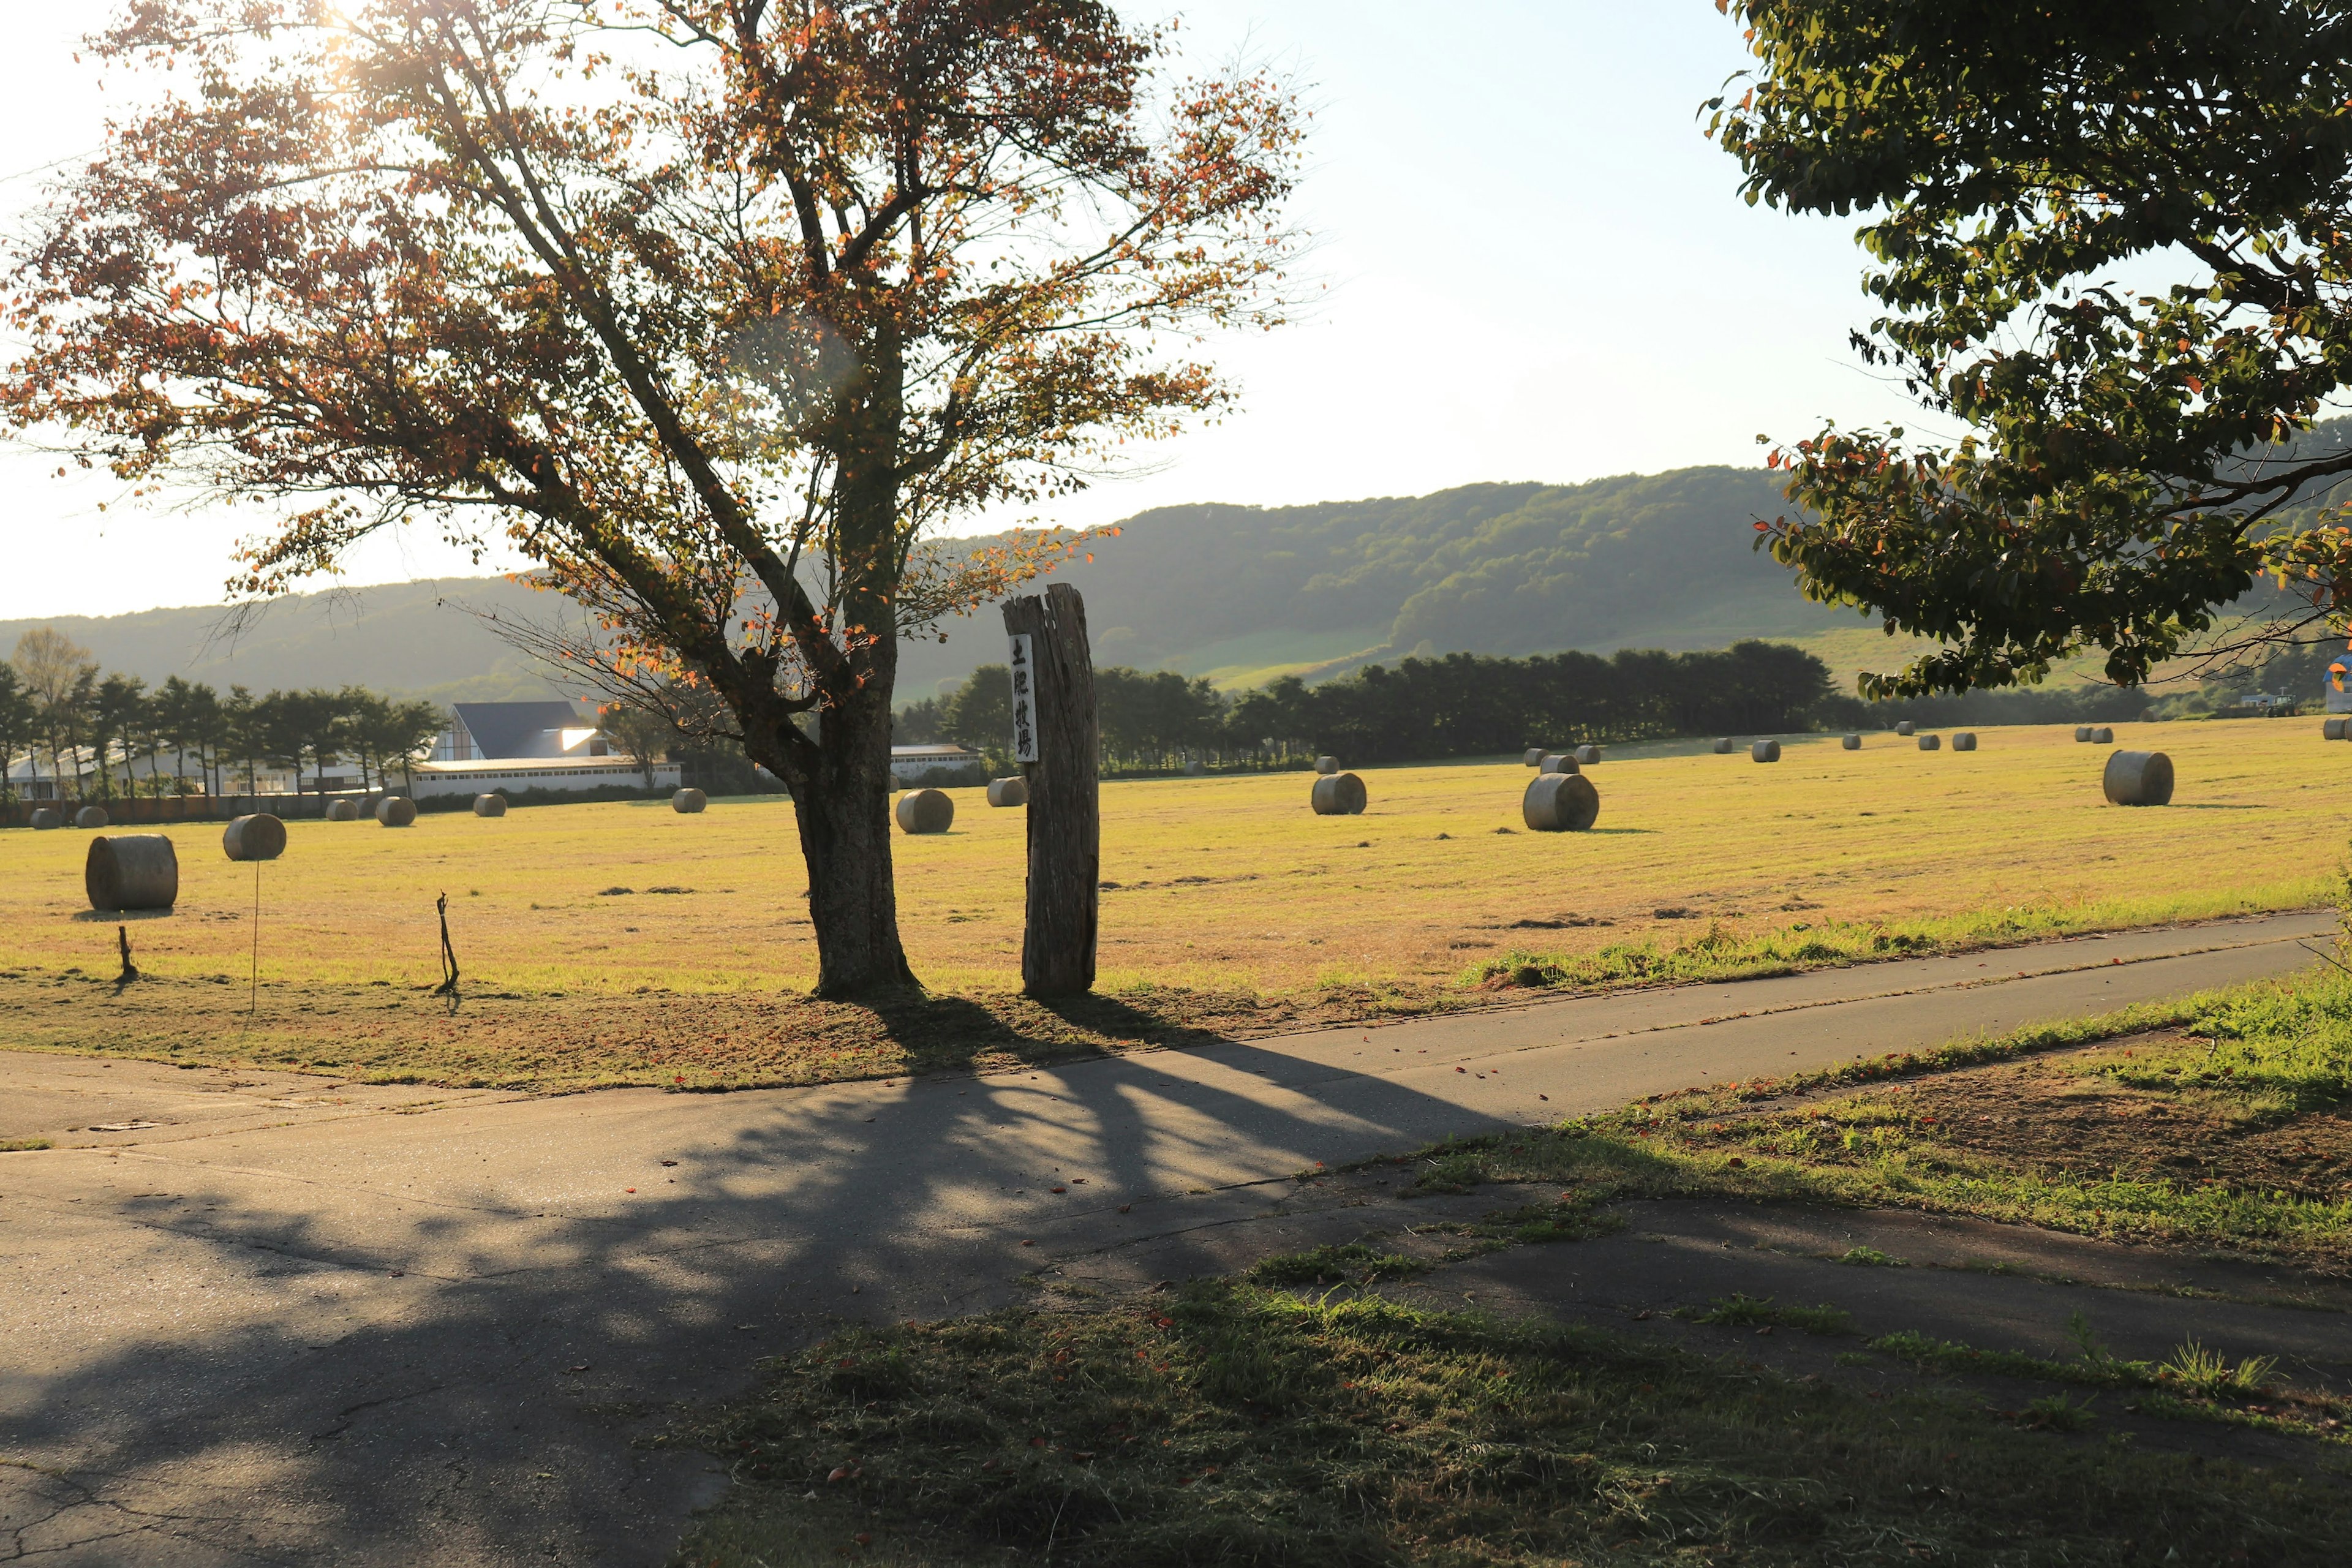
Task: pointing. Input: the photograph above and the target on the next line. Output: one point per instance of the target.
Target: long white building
(517, 746)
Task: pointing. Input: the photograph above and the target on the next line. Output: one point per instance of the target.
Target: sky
(1532, 266)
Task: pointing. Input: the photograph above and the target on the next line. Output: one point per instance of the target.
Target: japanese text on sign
(1025, 701)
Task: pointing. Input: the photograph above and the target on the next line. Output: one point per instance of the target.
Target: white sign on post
(1025, 701)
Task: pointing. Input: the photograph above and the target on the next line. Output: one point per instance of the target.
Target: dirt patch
(2051, 1113)
(2059, 1113)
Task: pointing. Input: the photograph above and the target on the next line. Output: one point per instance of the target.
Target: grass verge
(2216, 1122)
(1234, 1424)
(720, 1040)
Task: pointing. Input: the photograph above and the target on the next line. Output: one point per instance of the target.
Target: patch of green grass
(1351, 1263)
(22, 1145)
(1870, 1257)
(2281, 1050)
(1743, 1310)
(2191, 1383)
(2201, 1371)
(1877, 1147)
(1722, 952)
(1235, 1425)
(2055, 1412)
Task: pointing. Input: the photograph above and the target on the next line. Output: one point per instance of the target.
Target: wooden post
(1054, 740)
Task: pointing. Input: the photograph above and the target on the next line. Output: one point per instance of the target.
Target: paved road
(287, 1321)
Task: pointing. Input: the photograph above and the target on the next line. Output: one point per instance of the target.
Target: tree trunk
(844, 811)
(1065, 819)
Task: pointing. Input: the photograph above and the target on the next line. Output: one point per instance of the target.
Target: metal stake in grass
(448, 987)
(253, 970)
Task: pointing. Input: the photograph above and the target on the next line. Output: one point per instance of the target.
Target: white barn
(517, 746)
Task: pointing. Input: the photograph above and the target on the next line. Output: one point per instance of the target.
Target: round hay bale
(1342, 795)
(688, 802)
(2138, 778)
(1722, 747)
(2082, 732)
(1561, 803)
(44, 819)
(2103, 736)
(342, 811)
(925, 811)
(1964, 740)
(1013, 790)
(131, 871)
(1851, 743)
(1764, 752)
(1558, 762)
(1907, 728)
(2331, 730)
(395, 810)
(1931, 742)
(92, 817)
(1327, 766)
(1535, 756)
(261, 836)
(1586, 757)
(491, 805)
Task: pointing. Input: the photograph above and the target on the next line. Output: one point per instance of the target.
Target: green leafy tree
(309, 726)
(360, 725)
(207, 735)
(2115, 242)
(179, 726)
(18, 715)
(979, 714)
(247, 722)
(115, 717)
(643, 734)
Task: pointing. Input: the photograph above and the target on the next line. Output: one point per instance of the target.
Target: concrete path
(289, 1321)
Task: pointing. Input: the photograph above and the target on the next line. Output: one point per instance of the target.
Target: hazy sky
(1537, 268)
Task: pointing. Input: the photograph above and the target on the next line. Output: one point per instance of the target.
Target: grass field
(1232, 884)
(1227, 903)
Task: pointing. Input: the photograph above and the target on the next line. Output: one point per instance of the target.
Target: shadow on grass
(1238, 1424)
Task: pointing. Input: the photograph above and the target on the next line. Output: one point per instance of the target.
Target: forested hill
(1242, 593)
(1655, 560)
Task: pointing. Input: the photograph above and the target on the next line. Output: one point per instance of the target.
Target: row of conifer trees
(85, 732)
(1459, 705)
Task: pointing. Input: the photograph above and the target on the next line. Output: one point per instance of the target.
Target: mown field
(1227, 890)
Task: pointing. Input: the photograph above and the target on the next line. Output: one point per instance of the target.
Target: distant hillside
(1244, 594)
(1238, 593)
(408, 639)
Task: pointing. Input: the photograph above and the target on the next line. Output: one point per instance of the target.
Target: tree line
(93, 729)
(1460, 705)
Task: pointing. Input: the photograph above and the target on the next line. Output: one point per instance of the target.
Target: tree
(717, 308)
(17, 716)
(116, 717)
(59, 677)
(244, 734)
(309, 724)
(2133, 463)
(394, 732)
(208, 732)
(643, 733)
(980, 713)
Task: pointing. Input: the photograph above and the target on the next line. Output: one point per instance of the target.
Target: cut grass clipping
(1235, 1425)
